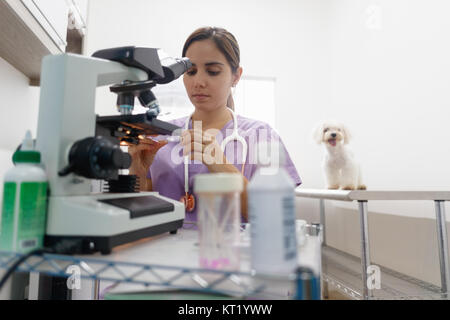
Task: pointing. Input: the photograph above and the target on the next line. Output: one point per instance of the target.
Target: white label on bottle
(273, 238)
(290, 245)
(29, 243)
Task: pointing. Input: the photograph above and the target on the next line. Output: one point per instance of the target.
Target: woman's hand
(142, 155)
(202, 146)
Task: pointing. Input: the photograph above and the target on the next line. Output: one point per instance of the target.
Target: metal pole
(322, 220)
(325, 291)
(441, 226)
(96, 289)
(365, 247)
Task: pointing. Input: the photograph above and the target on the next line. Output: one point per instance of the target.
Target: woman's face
(209, 81)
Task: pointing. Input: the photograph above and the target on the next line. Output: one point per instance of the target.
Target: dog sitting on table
(341, 169)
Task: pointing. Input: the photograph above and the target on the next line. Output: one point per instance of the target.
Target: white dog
(341, 169)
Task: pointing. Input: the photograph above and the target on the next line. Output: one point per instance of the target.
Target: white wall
(389, 83)
(18, 113)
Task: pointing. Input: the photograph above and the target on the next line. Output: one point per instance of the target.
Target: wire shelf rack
(237, 284)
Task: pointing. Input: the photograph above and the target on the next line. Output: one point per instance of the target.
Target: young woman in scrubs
(215, 57)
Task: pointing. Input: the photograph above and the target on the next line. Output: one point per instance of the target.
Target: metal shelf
(232, 283)
(362, 198)
(342, 272)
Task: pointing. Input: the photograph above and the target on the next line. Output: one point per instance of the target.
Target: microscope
(77, 146)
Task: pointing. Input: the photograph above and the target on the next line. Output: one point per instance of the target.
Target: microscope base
(103, 221)
(105, 244)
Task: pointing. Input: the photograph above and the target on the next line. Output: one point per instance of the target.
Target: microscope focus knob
(96, 158)
(112, 157)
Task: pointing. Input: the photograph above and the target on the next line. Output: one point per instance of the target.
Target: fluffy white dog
(340, 168)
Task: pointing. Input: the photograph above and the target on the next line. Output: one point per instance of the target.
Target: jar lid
(218, 182)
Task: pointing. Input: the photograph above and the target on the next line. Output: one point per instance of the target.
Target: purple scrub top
(167, 169)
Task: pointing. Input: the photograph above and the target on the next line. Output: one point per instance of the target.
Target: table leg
(324, 270)
(322, 220)
(441, 226)
(365, 247)
(96, 289)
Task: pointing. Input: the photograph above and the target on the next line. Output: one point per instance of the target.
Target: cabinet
(32, 29)
(52, 16)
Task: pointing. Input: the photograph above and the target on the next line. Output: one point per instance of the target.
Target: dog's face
(331, 133)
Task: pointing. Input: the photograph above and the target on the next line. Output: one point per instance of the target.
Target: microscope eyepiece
(173, 68)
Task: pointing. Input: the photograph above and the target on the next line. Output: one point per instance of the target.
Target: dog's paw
(349, 187)
(362, 187)
(333, 187)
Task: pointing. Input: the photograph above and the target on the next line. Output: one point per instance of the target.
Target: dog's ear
(346, 133)
(317, 133)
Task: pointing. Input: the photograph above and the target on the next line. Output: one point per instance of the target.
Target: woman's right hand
(143, 154)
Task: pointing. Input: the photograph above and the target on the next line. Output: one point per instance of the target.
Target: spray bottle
(24, 201)
(271, 205)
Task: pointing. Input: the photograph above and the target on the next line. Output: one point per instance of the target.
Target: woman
(215, 57)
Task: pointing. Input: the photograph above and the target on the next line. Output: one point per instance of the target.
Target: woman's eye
(213, 73)
(191, 72)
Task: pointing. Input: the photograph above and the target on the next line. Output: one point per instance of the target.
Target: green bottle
(24, 209)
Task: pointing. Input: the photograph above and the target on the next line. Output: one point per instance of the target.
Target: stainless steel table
(362, 197)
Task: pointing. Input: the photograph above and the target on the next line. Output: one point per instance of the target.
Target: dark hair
(225, 42)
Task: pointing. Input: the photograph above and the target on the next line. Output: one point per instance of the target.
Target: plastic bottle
(271, 205)
(24, 201)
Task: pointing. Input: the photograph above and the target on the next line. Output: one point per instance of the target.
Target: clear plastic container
(218, 198)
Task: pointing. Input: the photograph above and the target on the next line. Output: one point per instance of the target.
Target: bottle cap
(218, 182)
(26, 157)
(27, 154)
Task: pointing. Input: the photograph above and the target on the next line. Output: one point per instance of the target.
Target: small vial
(218, 197)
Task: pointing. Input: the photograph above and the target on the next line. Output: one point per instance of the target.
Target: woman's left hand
(203, 147)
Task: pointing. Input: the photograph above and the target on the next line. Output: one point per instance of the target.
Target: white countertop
(181, 251)
(361, 195)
